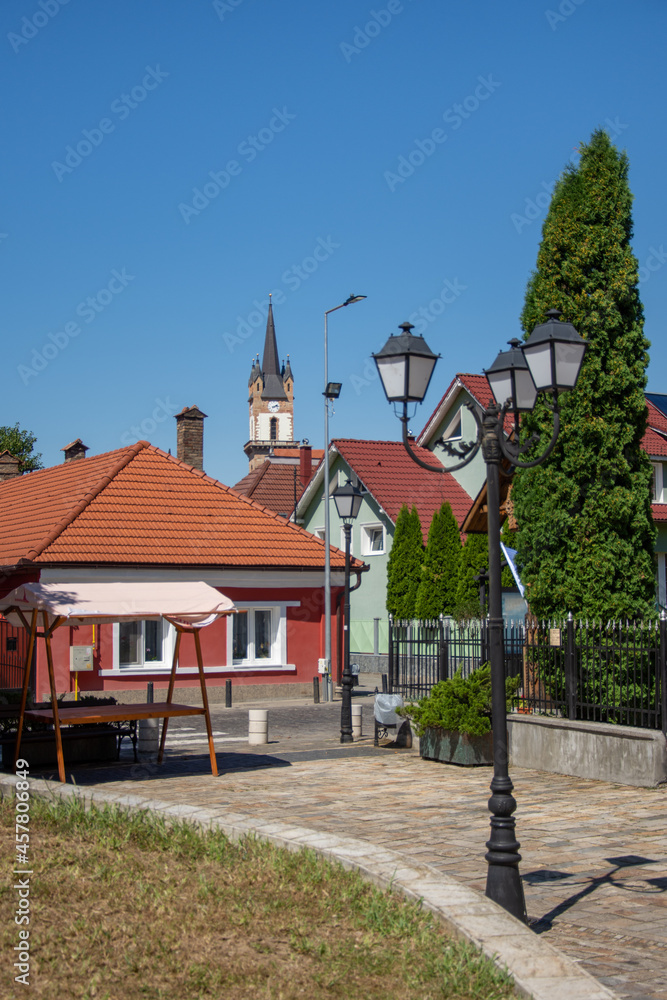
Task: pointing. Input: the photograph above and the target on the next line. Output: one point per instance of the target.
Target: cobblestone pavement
(594, 854)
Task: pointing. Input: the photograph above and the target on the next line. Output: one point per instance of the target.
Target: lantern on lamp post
(549, 361)
(348, 502)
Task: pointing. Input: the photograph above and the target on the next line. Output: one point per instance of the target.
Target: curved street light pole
(327, 521)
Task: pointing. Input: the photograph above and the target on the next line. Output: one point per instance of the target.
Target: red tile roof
(274, 485)
(388, 472)
(140, 506)
(654, 441)
(659, 512)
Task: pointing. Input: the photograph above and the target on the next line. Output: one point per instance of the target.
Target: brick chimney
(190, 436)
(305, 462)
(77, 449)
(9, 466)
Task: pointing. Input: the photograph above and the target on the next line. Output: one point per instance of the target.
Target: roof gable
(393, 479)
(140, 506)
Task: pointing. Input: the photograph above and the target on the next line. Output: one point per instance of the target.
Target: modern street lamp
(331, 391)
(348, 501)
(549, 361)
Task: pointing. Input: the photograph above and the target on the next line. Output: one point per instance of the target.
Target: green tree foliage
(586, 534)
(20, 444)
(440, 570)
(404, 565)
(460, 704)
(474, 558)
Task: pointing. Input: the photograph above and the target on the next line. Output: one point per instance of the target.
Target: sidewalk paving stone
(609, 916)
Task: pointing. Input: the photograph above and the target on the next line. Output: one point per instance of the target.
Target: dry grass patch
(127, 907)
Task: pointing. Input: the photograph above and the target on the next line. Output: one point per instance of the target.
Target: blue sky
(168, 164)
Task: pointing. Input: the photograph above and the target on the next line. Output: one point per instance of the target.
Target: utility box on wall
(80, 658)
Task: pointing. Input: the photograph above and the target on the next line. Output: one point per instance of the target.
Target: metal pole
(503, 883)
(570, 669)
(663, 670)
(327, 527)
(346, 706)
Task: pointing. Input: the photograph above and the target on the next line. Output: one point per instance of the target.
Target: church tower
(270, 399)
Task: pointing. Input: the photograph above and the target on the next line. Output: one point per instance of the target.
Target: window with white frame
(319, 533)
(256, 635)
(659, 483)
(453, 430)
(143, 644)
(373, 539)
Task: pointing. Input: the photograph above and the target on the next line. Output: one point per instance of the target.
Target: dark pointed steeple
(287, 371)
(273, 383)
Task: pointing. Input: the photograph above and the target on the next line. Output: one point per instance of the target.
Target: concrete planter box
(456, 748)
(620, 754)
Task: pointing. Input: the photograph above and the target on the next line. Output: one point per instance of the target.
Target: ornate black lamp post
(549, 361)
(348, 501)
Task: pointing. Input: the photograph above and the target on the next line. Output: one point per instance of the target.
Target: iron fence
(421, 653)
(13, 651)
(599, 672)
(614, 672)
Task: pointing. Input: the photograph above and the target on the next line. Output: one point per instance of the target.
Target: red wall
(305, 644)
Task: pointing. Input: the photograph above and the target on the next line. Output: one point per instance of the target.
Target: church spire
(273, 383)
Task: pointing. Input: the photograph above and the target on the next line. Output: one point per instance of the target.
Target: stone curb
(539, 970)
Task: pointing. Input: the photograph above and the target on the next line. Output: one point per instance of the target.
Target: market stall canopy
(188, 604)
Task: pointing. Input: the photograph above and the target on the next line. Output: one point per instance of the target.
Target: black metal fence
(614, 672)
(13, 651)
(421, 653)
(600, 672)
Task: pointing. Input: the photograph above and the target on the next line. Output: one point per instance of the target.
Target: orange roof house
(140, 514)
(278, 483)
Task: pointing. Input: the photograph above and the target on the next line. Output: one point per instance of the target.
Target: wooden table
(87, 714)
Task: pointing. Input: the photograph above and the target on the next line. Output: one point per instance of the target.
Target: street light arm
(469, 450)
(511, 451)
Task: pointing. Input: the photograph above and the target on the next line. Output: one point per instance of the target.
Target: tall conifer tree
(586, 534)
(440, 570)
(474, 558)
(404, 566)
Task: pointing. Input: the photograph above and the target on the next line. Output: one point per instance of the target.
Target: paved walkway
(594, 855)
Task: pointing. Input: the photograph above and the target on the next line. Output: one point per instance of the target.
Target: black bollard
(316, 690)
(384, 684)
(228, 694)
(149, 692)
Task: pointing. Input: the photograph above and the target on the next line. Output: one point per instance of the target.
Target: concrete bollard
(356, 721)
(148, 731)
(258, 726)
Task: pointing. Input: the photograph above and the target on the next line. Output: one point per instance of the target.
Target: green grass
(125, 906)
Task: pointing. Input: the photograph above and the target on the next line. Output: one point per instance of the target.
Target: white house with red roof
(139, 514)
(388, 478)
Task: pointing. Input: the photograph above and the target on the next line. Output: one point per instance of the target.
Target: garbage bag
(385, 709)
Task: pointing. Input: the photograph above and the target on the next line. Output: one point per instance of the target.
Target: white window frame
(318, 532)
(278, 658)
(365, 530)
(152, 667)
(456, 419)
(659, 484)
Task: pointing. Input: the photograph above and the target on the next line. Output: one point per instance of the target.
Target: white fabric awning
(100, 603)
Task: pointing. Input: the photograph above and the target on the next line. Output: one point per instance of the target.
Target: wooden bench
(110, 714)
(9, 718)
